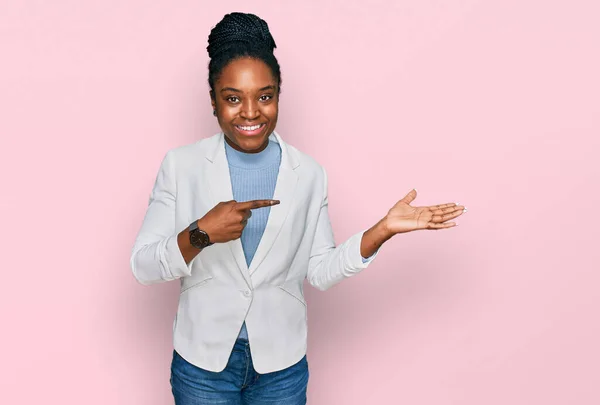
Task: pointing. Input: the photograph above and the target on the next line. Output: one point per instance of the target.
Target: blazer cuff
(368, 259)
(175, 263)
(355, 261)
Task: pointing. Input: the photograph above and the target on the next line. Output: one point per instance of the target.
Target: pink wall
(491, 104)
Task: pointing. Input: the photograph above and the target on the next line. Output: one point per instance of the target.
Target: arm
(328, 264)
(156, 255)
(372, 240)
(160, 253)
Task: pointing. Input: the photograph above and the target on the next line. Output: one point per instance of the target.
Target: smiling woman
(240, 334)
(245, 100)
(245, 80)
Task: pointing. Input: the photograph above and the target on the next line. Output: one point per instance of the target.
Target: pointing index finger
(253, 204)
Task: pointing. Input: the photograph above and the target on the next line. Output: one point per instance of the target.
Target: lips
(250, 130)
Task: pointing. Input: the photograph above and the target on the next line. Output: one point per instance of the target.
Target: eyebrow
(224, 89)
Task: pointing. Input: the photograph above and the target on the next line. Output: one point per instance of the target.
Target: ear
(213, 102)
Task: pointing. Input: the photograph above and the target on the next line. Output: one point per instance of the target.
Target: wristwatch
(198, 238)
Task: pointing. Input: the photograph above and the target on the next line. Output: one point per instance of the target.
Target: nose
(249, 109)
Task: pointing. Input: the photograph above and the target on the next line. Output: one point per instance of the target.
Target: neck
(239, 149)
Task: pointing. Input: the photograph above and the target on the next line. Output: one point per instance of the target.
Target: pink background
(493, 104)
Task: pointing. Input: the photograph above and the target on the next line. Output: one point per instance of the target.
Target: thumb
(410, 196)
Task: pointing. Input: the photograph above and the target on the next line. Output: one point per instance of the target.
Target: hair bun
(242, 29)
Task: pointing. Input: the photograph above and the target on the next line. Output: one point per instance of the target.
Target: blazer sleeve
(155, 256)
(328, 264)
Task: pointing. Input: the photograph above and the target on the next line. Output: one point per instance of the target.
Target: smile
(251, 129)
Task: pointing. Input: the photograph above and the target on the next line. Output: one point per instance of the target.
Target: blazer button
(247, 293)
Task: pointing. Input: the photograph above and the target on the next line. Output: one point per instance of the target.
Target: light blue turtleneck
(253, 177)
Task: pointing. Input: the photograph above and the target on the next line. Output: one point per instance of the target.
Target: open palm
(402, 217)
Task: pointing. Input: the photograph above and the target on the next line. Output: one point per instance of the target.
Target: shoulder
(193, 150)
(303, 160)
(309, 169)
(307, 164)
(189, 155)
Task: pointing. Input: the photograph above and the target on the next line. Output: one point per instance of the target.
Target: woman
(241, 219)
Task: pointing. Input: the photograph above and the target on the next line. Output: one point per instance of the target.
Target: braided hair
(240, 35)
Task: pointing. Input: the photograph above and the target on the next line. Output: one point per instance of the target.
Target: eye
(265, 97)
(233, 99)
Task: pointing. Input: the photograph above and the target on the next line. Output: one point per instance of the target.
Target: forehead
(246, 74)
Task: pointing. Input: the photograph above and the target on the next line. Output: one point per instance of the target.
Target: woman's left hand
(402, 217)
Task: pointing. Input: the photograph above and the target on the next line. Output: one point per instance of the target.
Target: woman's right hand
(226, 220)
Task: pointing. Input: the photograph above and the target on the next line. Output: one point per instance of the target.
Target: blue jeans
(238, 383)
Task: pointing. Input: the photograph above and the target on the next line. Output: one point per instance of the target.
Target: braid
(238, 35)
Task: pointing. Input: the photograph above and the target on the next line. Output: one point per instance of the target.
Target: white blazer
(218, 290)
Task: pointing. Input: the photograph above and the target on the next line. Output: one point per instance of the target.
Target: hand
(226, 220)
(402, 217)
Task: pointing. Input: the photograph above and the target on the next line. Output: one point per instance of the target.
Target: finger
(408, 198)
(446, 217)
(447, 210)
(442, 206)
(254, 204)
(432, 225)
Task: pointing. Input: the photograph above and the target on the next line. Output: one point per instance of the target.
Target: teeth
(252, 128)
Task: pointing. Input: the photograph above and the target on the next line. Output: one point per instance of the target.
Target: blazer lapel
(287, 179)
(220, 190)
(219, 182)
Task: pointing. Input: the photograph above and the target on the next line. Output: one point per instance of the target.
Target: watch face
(199, 239)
